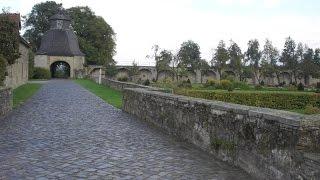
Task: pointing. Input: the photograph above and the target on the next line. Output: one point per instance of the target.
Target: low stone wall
(269, 144)
(5, 101)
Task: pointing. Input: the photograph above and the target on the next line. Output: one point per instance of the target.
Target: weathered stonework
(120, 86)
(5, 101)
(269, 144)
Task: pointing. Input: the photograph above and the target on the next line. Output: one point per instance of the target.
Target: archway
(60, 69)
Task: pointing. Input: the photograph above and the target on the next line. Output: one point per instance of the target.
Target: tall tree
(269, 60)
(316, 58)
(253, 56)
(203, 67)
(9, 38)
(220, 57)
(96, 37)
(289, 58)
(308, 66)
(189, 55)
(37, 21)
(236, 57)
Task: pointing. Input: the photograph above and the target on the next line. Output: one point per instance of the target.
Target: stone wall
(5, 101)
(118, 85)
(269, 144)
(17, 73)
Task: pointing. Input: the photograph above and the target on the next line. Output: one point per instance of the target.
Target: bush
(41, 73)
(258, 87)
(225, 84)
(292, 88)
(185, 84)
(123, 78)
(3, 67)
(300, 87)
(211, 83)
(271, 99)
(262, 83)
(241, 85)
(312, 110)
(318, 87)
(146, 82)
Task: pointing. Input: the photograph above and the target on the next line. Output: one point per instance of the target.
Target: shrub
(3, 67)
(312, 110)
(270, 99)
(262, 83)
(292, 88)
(41, 73)
(211, 83)
(241, 85)
(230, 78)
(300, 87)
(123, 78)
(225, 84)
(146, 82)
(318, 87)
(258, 87)
(185, 84)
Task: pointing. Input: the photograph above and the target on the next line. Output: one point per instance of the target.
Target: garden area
(295, 98)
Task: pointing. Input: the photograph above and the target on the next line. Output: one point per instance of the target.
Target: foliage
(9, 38)
(41, 73)
(226, 84)
(236, 57)
(185, 84)
(268, 99)
(37, 21)
(96, 37)
(111, 70)
(3, 65)
(258, 87)
(31, 64)
(241, 85)
(134, 69)
(300, 87)
(24, 92)
(146, 82)
(106, 93)
(318, 85)
(189, 55)
(220, 57)
(163, 61)
(288, 56)
(123, 78)
(253, 56)
(312, 110)
(270, 57)
(211, 83)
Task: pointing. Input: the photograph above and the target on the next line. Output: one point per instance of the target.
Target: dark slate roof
(57, 42)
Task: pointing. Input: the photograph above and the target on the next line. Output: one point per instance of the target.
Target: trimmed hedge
(271, 99)
(41, 73)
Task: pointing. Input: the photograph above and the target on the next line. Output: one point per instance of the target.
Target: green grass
(24, 92)
(106, 93)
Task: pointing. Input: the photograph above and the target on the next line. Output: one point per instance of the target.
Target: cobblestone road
(65, 132)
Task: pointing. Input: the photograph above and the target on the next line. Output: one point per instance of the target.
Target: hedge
(271, 99)
(41, 73)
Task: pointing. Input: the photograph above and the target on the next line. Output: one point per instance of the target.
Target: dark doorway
(60, 69)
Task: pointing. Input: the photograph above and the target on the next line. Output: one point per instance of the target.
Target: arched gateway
(59, 46)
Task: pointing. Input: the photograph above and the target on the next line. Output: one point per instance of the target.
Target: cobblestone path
(65, 132)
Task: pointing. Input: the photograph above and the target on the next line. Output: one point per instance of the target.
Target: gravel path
(65, 132)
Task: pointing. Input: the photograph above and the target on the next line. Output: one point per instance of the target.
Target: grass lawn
(24, 92)
(106, 93)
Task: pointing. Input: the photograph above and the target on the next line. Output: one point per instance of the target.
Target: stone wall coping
(285, 118)
(134, 84)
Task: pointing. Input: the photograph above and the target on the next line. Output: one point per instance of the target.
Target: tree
(164, 60)
(236, 57)
(307, 65)
(204, 67)
(37, 22)
(9, 38)
(133, 70)
(289, 58)
(96, 37)
(220, 57)
(269, 60)
(316, 58)
(253, 56)
(189, 55)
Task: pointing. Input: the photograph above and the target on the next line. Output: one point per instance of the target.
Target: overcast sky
(139, 24)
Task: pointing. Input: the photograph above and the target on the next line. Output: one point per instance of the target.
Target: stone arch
(60, 69)
(122, 72)
(165, 74)
(145, 74)
(210, 74)
(285, 77)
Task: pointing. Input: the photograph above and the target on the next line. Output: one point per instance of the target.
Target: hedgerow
(274, 100)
